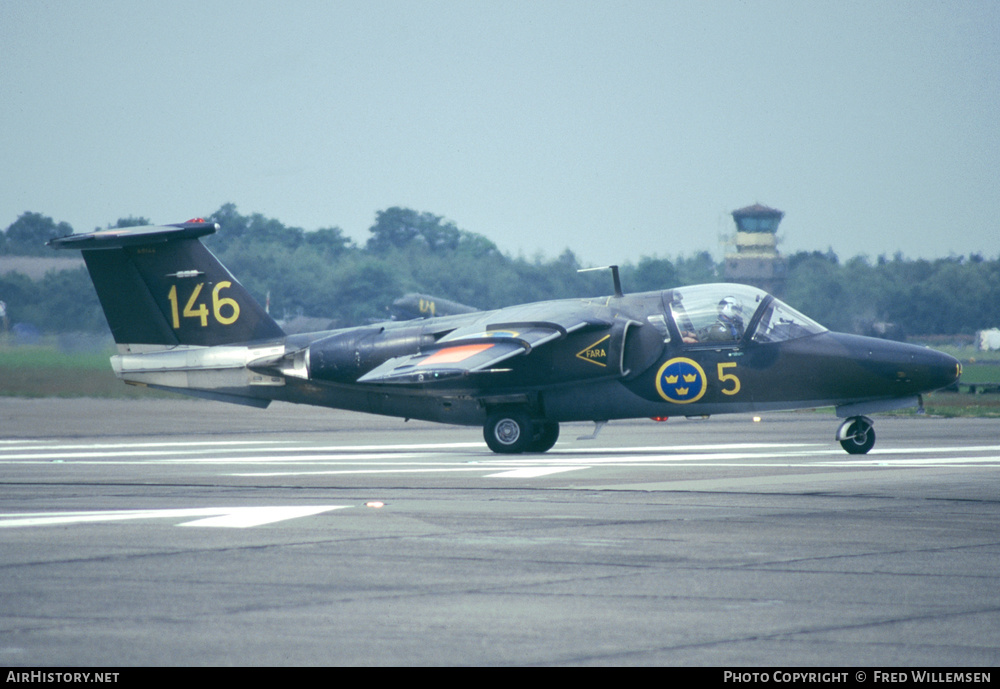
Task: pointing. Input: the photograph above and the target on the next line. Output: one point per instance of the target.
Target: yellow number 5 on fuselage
(726, 377)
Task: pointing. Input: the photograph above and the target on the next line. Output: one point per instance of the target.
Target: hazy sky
(616, 129)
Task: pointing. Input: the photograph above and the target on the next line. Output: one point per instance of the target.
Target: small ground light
(756, 419)
(375, 503)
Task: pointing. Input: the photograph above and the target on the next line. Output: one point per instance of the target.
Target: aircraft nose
(909, 369)
(929, 370)
(946, 369)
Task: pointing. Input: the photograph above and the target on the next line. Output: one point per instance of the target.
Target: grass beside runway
(944, 403)
(46, 370)
(979, 369)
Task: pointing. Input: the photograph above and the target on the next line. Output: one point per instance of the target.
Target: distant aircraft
(183, 323)
(412, 306)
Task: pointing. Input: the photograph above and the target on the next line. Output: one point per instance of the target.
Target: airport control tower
(756, 261)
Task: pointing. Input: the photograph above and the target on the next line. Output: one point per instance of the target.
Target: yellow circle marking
(681, 381)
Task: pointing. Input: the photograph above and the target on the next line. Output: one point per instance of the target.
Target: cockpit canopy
(730, 313)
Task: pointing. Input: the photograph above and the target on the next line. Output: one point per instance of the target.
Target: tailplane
(159, 285)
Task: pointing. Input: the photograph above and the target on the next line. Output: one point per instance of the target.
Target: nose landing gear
(857, 435)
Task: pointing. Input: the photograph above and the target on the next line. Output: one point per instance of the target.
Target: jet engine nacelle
(343, 357)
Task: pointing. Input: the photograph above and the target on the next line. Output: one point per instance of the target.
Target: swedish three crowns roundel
(681, 381)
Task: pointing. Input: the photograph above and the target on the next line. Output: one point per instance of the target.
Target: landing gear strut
(512, 431)
(857, 435)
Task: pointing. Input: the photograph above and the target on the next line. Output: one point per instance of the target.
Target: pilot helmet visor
(730, 308)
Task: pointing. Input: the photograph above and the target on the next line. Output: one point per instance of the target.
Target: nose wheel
(857, 435)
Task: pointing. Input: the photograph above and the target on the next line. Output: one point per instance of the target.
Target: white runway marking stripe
(534, 472)
(44, 445)
(914, 462)
(275, 459)
(228, 517)
(428, 469)
(708, 447)
(179, 452)
(286, 458)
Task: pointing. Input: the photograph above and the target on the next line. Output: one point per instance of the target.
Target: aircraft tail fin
(158, 284)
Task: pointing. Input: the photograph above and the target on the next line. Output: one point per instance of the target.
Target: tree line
(324, 273)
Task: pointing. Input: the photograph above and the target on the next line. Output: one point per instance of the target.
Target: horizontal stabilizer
(117, 238)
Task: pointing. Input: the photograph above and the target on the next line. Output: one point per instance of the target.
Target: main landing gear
(512, 431)
(856, 435)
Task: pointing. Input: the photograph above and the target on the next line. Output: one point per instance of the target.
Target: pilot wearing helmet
(730, 326)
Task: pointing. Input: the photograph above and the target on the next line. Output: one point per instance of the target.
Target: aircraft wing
(484, 343)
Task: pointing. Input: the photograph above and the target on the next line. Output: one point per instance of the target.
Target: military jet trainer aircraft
(183, 323)
(411, 306)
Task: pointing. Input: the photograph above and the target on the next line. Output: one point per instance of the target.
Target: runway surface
(194, 533)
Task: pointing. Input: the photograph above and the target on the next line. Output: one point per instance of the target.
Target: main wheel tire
(509, 431)
(860, 438)
(545, 436)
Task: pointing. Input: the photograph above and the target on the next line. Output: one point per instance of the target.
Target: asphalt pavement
(185, 532)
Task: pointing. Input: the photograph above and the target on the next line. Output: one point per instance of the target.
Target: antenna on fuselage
(614, 276)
